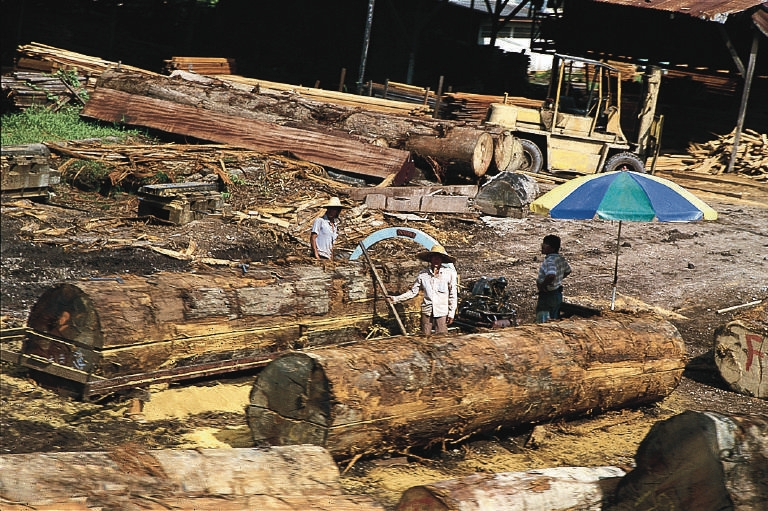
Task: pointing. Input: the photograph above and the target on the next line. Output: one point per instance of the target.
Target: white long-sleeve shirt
(439, 292)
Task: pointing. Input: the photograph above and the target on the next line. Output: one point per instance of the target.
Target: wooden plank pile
(49, 59)
(464, 106)
(25, 171)
(713, 157)
(23, 89)
(202, 65)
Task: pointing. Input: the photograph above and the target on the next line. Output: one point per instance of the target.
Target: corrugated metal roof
(710, 10)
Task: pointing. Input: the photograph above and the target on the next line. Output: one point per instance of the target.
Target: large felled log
(469, 149)
(699, 460)
(328, 149)
(741, 352)
(290, 106)
(549, 489)
(292, 478)
(406, 391)
(134, 324)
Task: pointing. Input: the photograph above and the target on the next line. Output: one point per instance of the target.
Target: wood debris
(713, 157)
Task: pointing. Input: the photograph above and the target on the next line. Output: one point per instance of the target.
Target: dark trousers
(549, 301)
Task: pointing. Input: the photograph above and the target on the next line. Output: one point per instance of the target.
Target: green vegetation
(37, 125)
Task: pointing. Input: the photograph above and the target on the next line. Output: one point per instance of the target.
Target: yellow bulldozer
(577, 128)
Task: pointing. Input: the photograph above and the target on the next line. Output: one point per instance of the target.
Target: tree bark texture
(408, 391)
(549, 489)
(741, 352)
(141, 324)
(293, 478)
(332, 149)
(699, 460)
(469, 149)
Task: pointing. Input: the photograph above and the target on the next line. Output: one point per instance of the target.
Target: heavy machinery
(577, 128)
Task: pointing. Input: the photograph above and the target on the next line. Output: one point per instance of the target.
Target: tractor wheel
(624, 161)
(533, 160)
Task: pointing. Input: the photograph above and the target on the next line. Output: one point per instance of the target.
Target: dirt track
(686, 272)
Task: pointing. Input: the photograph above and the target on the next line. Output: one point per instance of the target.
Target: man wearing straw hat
(325, 230)
(438, 283)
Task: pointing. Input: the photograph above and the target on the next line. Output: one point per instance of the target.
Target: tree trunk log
(278, 107)
(699, 460)
(549, 489)
(335, 150)
(508, 152)
(279, 478)
(469, 149)
(143, 324)
(741, 352)
(403, 392)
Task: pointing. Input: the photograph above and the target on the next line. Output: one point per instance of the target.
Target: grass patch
(37, 125)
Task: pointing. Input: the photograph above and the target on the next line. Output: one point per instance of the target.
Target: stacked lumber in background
(23, 89)
(465, 106)
(48, 59)
(714, 156)
(329, 96)
(294, 478)
(202, 65)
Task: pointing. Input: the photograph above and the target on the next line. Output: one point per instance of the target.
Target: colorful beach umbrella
(623, 196)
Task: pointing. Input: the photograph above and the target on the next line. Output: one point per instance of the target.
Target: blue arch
(422, 238)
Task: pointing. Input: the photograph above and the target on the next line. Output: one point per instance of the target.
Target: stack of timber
(384, 105)
(699, 460)
(408, 391)
(295, 478)
(23, 89)
(49, 59)
(107, 334)
(25, 171)
(714, 156)
(469, 107)
(424, 199)
(741, 351)
(202, 65)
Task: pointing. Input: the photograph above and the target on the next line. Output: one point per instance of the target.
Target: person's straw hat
(333, 202)
(436, 249)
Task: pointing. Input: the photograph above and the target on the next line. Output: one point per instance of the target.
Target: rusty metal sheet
(710, 10)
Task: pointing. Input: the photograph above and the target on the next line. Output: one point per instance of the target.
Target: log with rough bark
(289, 107)
(408, 391)
(468, 149)
(699, 460)
(741, 352)
(334, 150)
(292, 478)
(549, 489)
(292, 108)
(133, 324)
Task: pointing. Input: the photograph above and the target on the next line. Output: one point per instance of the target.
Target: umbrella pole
(616, 268)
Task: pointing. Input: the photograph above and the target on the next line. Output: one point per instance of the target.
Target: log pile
(714, 156)
(405, 391)
(202, 65)
(294, 478)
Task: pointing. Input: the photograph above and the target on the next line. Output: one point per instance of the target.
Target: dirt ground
(686, 272)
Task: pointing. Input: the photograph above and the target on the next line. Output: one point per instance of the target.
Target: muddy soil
(686, 272)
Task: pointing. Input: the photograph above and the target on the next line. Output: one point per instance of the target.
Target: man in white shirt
(325, 230)
(439, 285)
